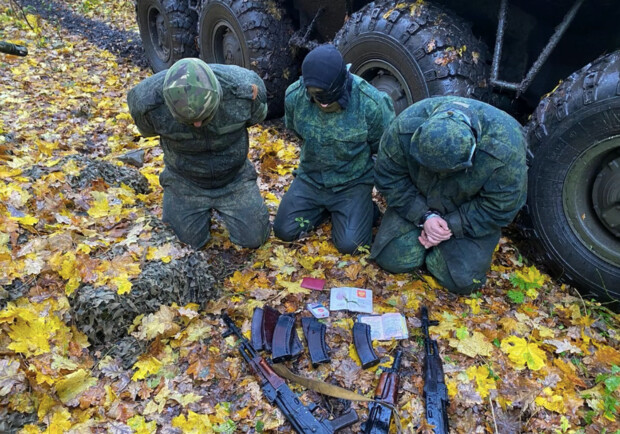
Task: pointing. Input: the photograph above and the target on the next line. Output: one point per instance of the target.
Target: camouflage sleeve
(139, 108)
(289, 107)
(379, 117)
(501, 197)
(259, 101)
(393, 180)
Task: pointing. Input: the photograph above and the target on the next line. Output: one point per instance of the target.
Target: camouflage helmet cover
(191, 91)
(445, 142)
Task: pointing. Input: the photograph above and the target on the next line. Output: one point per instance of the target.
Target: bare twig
(493, 413)
(16, 4)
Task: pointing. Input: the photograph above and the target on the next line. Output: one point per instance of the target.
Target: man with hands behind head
(201, 113)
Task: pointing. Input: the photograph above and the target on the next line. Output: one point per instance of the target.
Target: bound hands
(434, 232)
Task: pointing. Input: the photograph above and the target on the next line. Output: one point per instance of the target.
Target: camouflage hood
(191, 91)
(445, 142)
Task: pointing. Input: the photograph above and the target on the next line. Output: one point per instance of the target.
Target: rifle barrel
(14, 49)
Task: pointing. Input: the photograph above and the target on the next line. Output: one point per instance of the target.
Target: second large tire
(413, 51)
(253, 35)
(168, 31)
(573, 211)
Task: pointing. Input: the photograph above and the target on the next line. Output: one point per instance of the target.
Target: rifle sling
(332, 390)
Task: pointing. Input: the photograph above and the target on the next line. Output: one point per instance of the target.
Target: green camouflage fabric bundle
(191, 91)
(476, 202)
(104, 316)
(337, 147)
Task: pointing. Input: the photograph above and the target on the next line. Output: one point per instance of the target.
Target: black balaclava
(325, 68)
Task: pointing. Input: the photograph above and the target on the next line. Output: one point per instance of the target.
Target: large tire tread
(435, 37)
(594, 87)
(267, 32)
(182, 26)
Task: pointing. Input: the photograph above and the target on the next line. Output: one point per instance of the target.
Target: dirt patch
(124, 44)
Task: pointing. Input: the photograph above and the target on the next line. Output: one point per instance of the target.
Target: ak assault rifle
(435, 391)
(276, 391)
(379, 416)
(16, 50)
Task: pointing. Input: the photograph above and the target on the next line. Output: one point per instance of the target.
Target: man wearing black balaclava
(340, 119)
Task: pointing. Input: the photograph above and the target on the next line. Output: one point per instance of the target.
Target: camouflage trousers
(458, 264)
(188, 209)
(305, 206)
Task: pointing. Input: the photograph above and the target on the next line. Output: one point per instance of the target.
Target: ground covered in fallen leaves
(80, 214)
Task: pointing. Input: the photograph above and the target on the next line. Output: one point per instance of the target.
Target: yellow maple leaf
(291, 287)
(158, 323)
(283, 260)
(14, 194)
(353, 354)
(452, 387)
(4, 242)
(474, 345)
(522, 353)
(222, 412)
(271, 199)
(110, 395)
(163, 253)
(46, 403)
(122, 284)
(71, 285)
(511, 325)
(125, 193)
(26, 220)
(447, 324)
(308, 261)
(151, 177)
(187, 398)
(71, 168)
(68, 266)
(60, 422)
(474, 305)
(73, 385)
(101, 207)
(12, 312)
(194, 423)
(545, 332)
(532, 276)
(147, 365)
(483, 382)
(242, 281)
(551, 401)
(31, 337)
(432, 282)
(141, 426)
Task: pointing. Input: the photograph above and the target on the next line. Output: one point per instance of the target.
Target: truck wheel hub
(386, 78)
(591, 199)
(227, 46)
(606, 196)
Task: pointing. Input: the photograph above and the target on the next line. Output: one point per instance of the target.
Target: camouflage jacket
(474, 202)
(216, 153)
(337, 147)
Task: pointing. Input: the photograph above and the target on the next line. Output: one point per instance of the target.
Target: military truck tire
(573, 209)
(413, 51)
(254, 35)
(168, 31)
